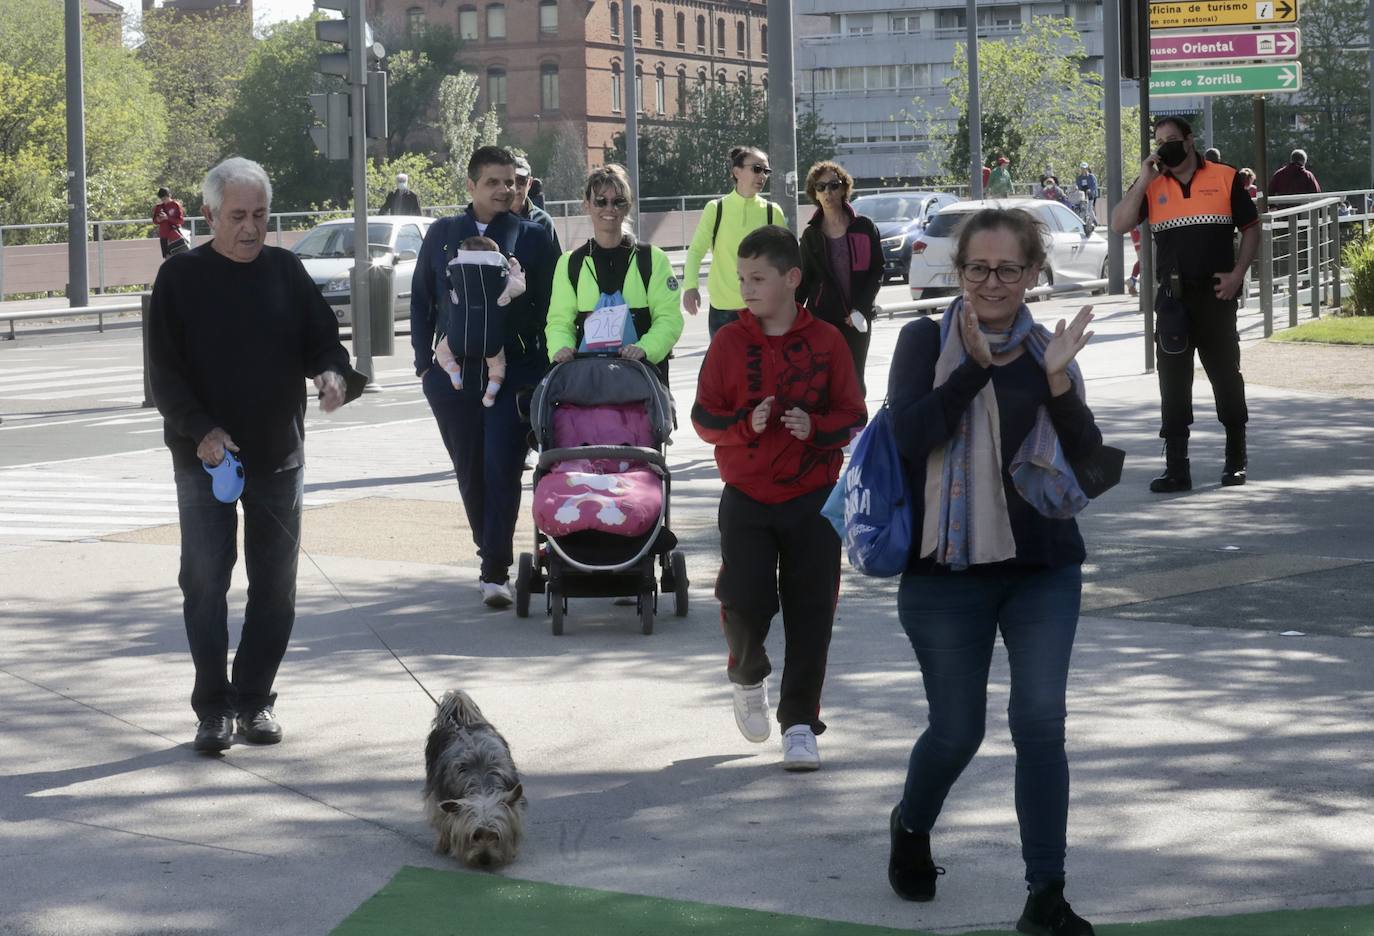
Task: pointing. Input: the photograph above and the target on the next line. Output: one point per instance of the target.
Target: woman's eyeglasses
(620, 204)
(829, 186)
(761, 169)
(1006, 273)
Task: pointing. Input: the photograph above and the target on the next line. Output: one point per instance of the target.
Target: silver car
(327, 254)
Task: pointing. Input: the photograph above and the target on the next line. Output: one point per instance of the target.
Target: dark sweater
(820, 291)
(231, 345)
(924, 418)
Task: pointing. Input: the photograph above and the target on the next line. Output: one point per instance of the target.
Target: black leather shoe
(260, 727)
(1233, 473)
(214, 734)
(1176, 477)
(1047, 913)
(910, 869)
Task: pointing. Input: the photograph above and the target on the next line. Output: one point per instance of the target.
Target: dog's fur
(472, 791)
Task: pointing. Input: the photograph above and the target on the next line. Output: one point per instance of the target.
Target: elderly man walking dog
(235, 329)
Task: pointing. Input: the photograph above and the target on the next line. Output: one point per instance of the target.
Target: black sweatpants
(779, 555)
(1212, 332)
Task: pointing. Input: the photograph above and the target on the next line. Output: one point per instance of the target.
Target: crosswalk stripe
(120, 522)
(24, 374)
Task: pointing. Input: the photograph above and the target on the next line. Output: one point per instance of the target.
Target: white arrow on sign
(1287, 77)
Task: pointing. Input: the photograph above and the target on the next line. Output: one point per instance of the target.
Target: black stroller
(601, 424)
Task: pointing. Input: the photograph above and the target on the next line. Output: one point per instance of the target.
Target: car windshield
(336, 240)
(944, 224)
(887, 207)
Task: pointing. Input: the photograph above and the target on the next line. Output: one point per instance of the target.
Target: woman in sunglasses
(987, 407)
(724, 223)
(842, 261)
(613, 269)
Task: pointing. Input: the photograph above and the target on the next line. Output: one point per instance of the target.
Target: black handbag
(1099, 471)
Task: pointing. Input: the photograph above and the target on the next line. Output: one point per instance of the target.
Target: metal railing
(1300, 254)
(922, 306)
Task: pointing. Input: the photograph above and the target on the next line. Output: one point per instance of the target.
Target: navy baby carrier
(476, 325)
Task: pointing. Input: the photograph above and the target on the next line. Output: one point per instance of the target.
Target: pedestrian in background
(1086, 182)
(401, 200)
(973, 400)
(1247, 179)
(724, 223)
(842, 262)
(999, 181)
(1212, 154)
(536, 193)
(525, 206)
(169, 215)
(1199, 276)
(487, 444)
(779, 439)
(235, 329)
(1294, 178)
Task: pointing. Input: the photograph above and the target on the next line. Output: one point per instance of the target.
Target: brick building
(561, 63)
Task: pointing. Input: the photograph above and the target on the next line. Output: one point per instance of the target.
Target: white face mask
(402, 186)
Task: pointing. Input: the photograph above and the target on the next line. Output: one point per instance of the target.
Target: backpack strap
(575, 264)
(770, 212)
(720, 210)
(644, 259)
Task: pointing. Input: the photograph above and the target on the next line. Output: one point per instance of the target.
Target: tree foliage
(433, 184)
(463, 128)
(558, 156)
(414, 74)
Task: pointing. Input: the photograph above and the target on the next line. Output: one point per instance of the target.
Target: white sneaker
(496, 594)
(751, 711)
(799, 749)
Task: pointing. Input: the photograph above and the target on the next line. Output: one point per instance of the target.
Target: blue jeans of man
(209, 550)
(952, 621)
(487, 446)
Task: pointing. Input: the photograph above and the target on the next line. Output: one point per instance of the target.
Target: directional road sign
(1197, 13)
(1225, 79)
(1179, 48)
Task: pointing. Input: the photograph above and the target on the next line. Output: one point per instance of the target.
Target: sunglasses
(761, 169)
(620, 204)
(1007, 272)
(829, 186)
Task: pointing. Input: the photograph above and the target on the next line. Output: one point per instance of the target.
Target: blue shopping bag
(870, 506)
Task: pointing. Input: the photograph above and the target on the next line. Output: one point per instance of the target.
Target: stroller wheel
(523, 578)
(678, 562)
(558, 606)
(646, 612)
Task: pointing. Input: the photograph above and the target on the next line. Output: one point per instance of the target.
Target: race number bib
(604, 329)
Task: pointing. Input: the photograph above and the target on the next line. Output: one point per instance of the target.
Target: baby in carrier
(481, 283)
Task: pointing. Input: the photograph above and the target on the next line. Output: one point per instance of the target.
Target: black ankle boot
(1176, 475)
(1047, 913)
(1234, 471)
(910, 870)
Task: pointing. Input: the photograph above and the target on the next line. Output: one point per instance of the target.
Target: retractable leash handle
(226, 478)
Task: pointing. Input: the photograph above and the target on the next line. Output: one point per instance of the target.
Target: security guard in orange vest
(1194, 208)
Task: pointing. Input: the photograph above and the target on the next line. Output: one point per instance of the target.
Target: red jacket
(168, 219)
(810, 367)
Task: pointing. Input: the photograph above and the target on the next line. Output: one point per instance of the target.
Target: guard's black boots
(1234, 471)
(910, 870)
(1047, 913)
(1176, 475)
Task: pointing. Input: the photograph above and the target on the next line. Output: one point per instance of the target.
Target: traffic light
(331, 110)
(1135, 39)
(375, 118)
(356, 50)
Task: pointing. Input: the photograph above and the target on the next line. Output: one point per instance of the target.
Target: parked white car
(327, 254)
(1075, 253)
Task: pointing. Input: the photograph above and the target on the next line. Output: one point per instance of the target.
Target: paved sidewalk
(1219, 766)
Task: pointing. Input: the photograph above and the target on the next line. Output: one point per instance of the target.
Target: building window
(615, 20)
(861, 24)
(720, 79)
(658, 27)
(615, 87)
(639, 89)
(496, 21)
(467, 22)
(681, 90)
(701, 34)
(739, 37)
(548, 17)
(496, 88)
(681, 31)
(720, 36)
(415, 25)
(701, 79)
(763, 40)
(548, 87)
(660, 92)
(743, 80)
(639, 22)
(906, 23)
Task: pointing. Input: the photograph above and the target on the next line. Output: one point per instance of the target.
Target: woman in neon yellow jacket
(613, 261)
(724, 223)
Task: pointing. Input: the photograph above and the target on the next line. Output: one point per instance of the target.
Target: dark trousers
(716, 319)
(209, 549)
(779, 555)
(1212, 332)
(952, 622)
(858, 349)
(487, 446)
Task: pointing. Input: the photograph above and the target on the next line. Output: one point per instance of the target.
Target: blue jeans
(209, 549)
(716, 319)
(952, 622)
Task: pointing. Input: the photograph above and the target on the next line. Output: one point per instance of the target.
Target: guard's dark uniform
(1194, 229)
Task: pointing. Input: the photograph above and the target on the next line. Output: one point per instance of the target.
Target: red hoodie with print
(810, 367)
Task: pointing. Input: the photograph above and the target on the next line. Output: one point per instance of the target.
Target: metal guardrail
(99, 311)
(1307, 228)
(920, 306)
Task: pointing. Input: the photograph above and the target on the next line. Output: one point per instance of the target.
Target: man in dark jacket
(235, 328)
(526, 208)
(401, 200)
(486, 444)
(1294, 178)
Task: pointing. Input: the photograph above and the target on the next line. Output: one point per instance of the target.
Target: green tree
(432, 184)
(196, 60)
(464, 129)
(414, 74)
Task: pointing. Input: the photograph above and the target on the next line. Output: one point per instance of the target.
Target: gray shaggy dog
(472, 792)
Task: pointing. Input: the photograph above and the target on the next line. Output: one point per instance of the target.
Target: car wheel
(1046, 278)
(1102, 274)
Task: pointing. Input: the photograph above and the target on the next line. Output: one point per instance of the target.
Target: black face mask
(1172, 153)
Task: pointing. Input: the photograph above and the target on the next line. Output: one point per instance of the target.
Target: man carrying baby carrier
(487, 444)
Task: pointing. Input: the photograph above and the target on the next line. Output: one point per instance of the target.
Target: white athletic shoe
(751, 711)
(496, 594)
(799, 749)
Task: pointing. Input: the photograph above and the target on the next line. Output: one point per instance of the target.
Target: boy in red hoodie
(778, 398)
